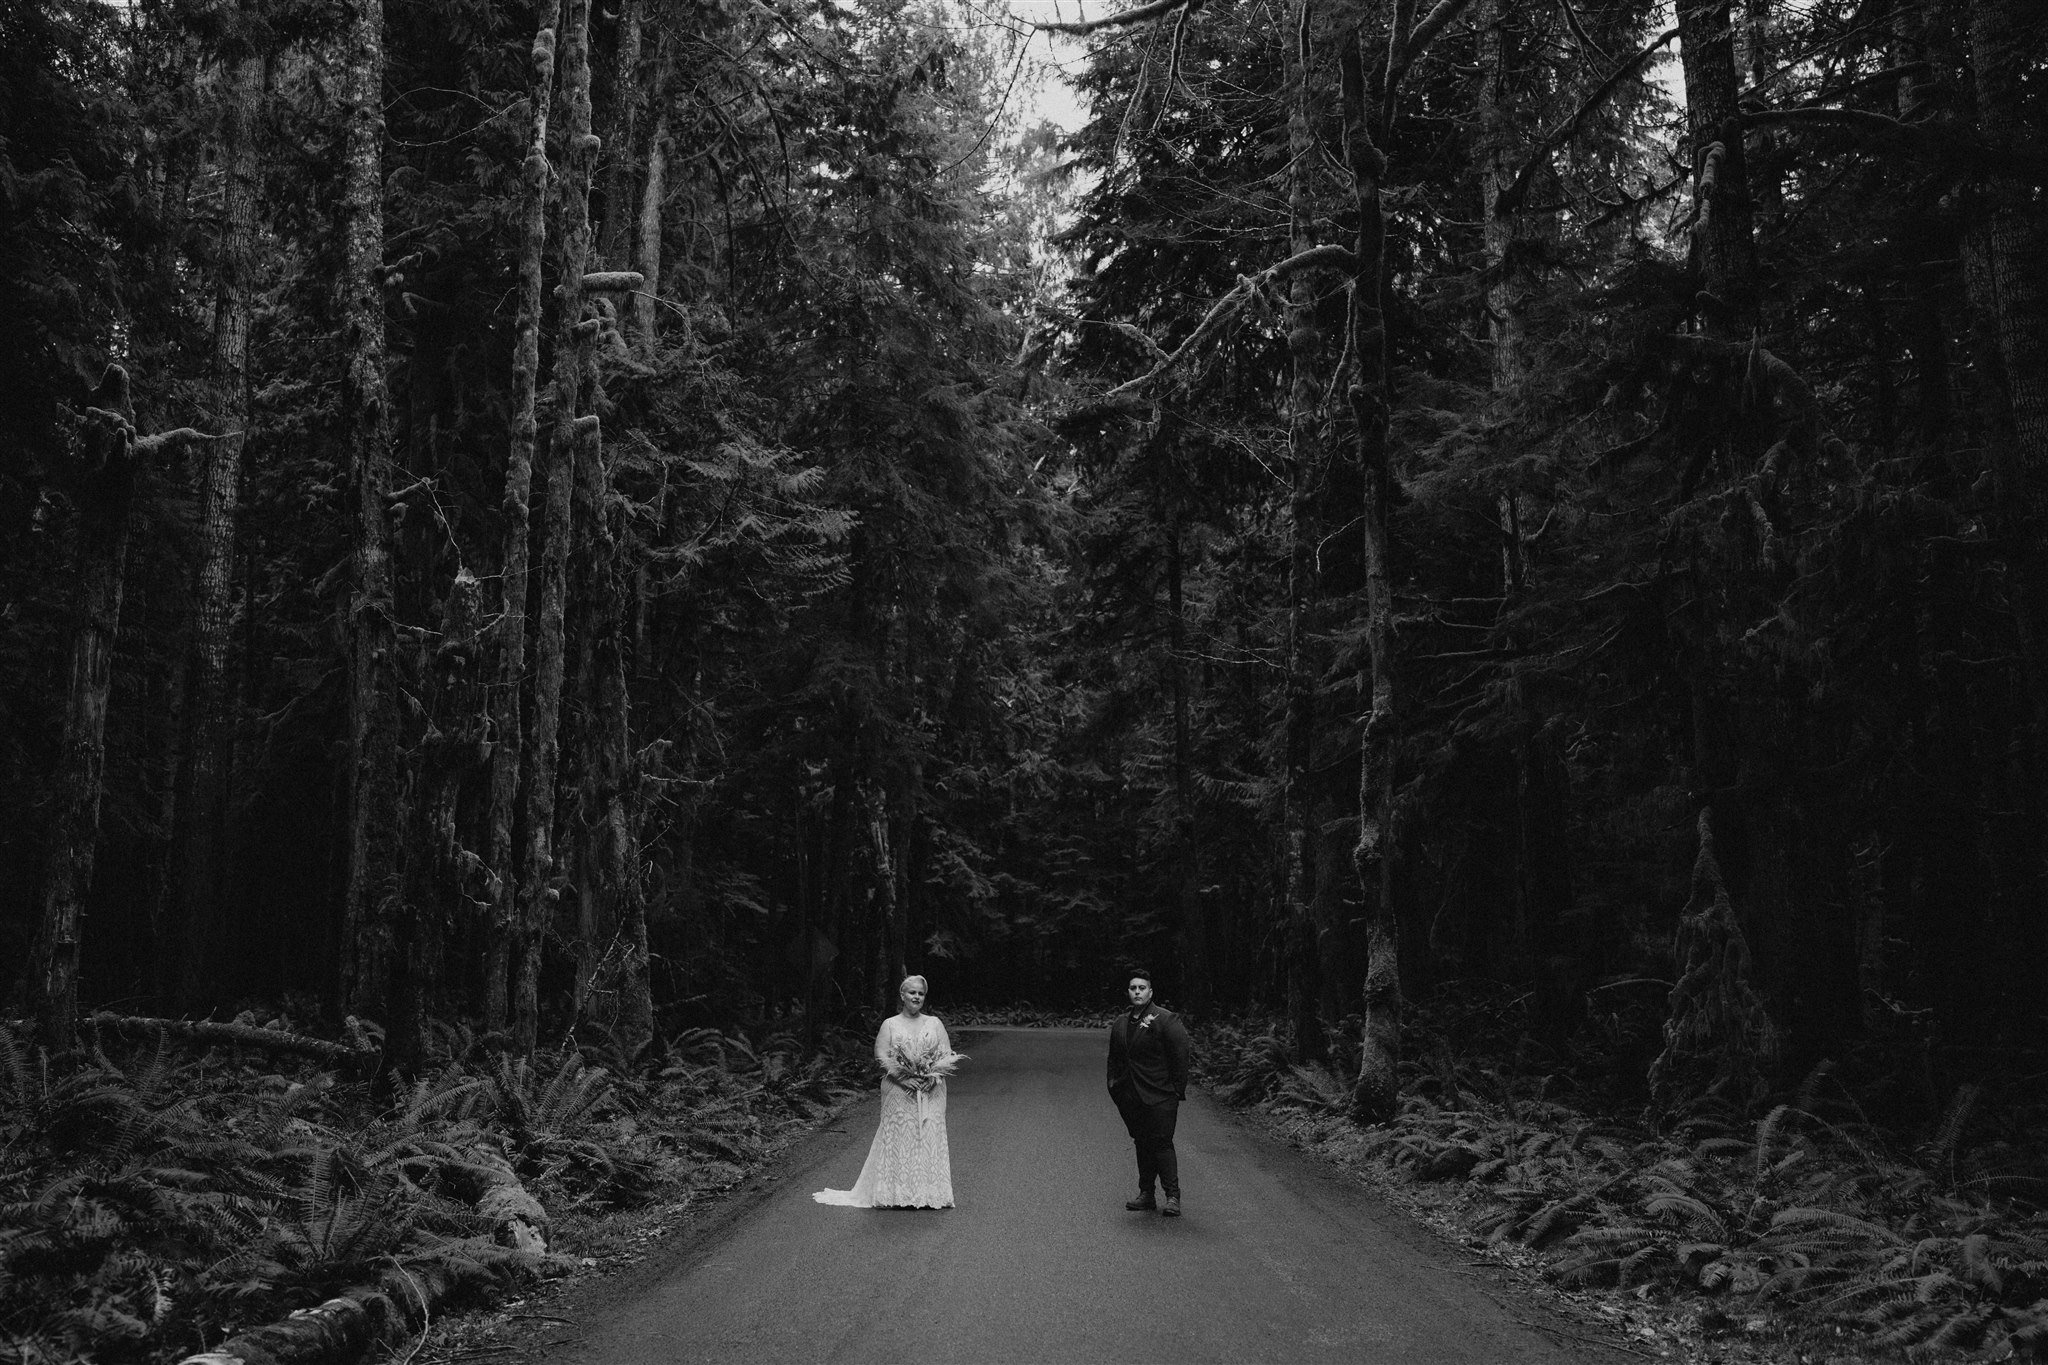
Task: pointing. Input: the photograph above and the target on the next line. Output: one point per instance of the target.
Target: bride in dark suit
(1148, 1078)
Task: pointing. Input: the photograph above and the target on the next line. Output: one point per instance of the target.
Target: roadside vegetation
(156, 1200)
(1807, 1217)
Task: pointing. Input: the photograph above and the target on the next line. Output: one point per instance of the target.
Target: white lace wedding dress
(907, 1165)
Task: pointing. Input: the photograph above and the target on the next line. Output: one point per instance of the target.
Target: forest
(1494, 545)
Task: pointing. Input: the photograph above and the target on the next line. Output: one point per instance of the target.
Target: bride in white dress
(907, 1166)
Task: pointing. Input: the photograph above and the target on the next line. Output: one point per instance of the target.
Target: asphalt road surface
(1275, 1260)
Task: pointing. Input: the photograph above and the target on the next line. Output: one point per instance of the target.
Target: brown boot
(1143, 1202)
(1171, 1208)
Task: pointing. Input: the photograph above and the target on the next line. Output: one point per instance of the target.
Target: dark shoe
(1142, 1203)
(1171, 1208)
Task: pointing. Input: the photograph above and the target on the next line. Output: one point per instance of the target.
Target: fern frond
(1978, 1268)
(1814, 1220)
(1949, 1134)
(1694, 1214)
(1766, 1133)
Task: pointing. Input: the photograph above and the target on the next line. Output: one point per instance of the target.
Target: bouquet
(920, 1068)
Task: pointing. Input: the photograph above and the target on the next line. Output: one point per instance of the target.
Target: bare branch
(2006, 160)
(1511, 198)
(1432, 26)
(1862, 120)
(1400, 28)
(178, 436)
(1137, 334)
(1571, 15)
(1226, 308)
(1440, 17)
(1128, 17)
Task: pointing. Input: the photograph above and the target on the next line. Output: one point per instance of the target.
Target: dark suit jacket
(1152, 1057)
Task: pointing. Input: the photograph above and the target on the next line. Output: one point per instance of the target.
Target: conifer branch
(1227, 308)
(1511, 198)
(1083, 27)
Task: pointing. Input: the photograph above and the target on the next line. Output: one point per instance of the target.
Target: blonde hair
(918, 979)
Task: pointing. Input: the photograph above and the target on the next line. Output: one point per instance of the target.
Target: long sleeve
(884, 1053)
(945, 1042)
(1178, 1053)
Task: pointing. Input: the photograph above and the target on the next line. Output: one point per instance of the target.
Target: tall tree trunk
(1928, 248)
(647, 255)
(1304, 450)
(2003, 250)
(891, 950)
(1378, 1090)
(537, 893)
(435, 874)
(622, 140)
(508, 741)
(104, 491)
(612, 987)
(1189, 940)
(1724, 240)
(200, 834)
(612, 974)
(1498, 164)
(1507, 293)
(374, 816)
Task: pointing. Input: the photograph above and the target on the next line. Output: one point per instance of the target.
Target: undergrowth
(1933, 1245)
(154, 1200)
(1024, 1014)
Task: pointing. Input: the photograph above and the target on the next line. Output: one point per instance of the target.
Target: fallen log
(343, 1055)
(517, 1218)
(403, 1300)
(345, 1328)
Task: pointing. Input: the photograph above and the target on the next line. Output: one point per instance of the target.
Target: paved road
(1276, 1260)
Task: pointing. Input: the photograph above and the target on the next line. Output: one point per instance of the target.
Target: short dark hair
(1138, 974)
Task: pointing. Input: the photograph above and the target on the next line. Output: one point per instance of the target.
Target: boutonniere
(1146, 1022)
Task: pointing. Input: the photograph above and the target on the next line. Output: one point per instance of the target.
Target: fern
(1689, 1211)
(1833, 1226)
(1766, 1132)
(1948, 1134)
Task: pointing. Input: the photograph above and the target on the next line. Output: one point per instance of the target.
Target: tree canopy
(598, 521)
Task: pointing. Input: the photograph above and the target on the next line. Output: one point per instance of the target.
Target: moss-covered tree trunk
(437, 865)
(1508, 235)
(2004, 245)
(103, 492)
(622, 134)
(647, 249)
(1724, 238)
(375, 818)
(537, 890)
(1378, 1089)
(611, 983)
(2005, 264)
(1189, 939)
(199, 835)
(1304, 460)
(508, 740)
(612, 978)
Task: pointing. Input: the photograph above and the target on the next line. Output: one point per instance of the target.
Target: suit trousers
(1151, 1128)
